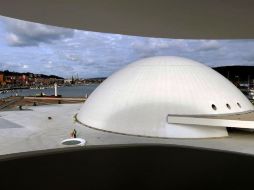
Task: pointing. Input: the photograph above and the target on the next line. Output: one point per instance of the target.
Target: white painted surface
(137, 99)
(81, 141)
(55, 89)
(211, 122)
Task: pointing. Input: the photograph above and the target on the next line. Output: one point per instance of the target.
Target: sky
(38, 48)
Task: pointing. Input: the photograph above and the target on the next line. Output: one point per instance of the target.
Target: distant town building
(1, 78)
(15, 79)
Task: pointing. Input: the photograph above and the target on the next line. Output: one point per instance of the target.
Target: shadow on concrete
(127, 167)
(6, 124)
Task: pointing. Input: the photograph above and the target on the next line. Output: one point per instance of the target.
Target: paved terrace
(30, 129)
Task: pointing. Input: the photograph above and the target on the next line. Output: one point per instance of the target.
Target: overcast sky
(37, 48)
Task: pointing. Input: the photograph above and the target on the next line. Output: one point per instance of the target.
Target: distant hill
(98, 79)
(233, 73)
(8, 73)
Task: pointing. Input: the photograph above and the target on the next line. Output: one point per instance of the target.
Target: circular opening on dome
(239, 105)
(214, 107)
(73, 141)
(228, 106)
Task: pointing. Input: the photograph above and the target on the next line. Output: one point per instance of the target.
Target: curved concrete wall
(127, 167)
(199, 19)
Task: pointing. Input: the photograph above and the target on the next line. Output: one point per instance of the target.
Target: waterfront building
(1, 78)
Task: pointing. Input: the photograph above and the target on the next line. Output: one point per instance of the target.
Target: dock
(11, 103)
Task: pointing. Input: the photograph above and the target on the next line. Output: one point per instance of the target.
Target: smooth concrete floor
(30, 129)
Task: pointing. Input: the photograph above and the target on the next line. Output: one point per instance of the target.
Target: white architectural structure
(138, 99)
(74, 142)
(55, 85)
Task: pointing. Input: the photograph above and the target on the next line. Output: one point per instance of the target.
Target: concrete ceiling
(194, 19)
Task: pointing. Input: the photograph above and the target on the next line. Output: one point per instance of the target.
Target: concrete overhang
(182, 19)
(243, 120)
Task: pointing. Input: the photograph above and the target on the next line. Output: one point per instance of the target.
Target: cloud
(48, 64)
(66, 52)
(248, 57)
(25, 66)
(209, 45)
(23, 33)
(141, 44)
(14, 66)
(72, 57)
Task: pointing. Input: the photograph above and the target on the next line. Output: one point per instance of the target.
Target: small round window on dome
(228, 106)
(214, 107)
(239, 105)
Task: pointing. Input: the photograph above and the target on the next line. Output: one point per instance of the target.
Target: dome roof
(137, 99)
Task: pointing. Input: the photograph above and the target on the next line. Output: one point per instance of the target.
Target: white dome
(137, 99)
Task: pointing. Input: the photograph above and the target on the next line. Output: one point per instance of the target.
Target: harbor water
(65, 91)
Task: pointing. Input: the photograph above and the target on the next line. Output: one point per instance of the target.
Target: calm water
(70, 91)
